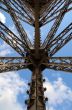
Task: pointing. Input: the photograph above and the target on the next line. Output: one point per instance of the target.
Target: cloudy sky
(13, 85)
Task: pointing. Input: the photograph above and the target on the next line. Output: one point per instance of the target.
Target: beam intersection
(36, 56)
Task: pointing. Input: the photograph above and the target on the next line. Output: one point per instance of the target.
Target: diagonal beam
(21, 13)
(18, 25)
(62, 39)
(12, 43)
(52, 17)
(56, 25)
(4, 9)
(9, 32)
(50, 11)
(47, 8)
(12, 63)
(62, 42)
(59, 63)
(10, 38)
(27, 9)
(67, 30)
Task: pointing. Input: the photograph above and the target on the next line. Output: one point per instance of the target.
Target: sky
(13, 85)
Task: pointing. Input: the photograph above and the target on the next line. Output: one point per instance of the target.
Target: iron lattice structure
(39, 56)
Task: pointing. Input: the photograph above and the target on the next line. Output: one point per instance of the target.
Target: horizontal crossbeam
(59, 63)
(13, 63)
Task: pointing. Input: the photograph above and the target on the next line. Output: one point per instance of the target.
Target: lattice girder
(13, 63)
(38, 55)
(56, 24)
(59, 63)
(18, 25)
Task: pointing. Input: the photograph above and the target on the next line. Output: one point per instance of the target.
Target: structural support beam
(56, 24)
(49, 12)
(13, 64)
(61, 40)
(37, 29)
(7, 60)
(36, 94)
(18, 25)
(62, 35)
(60, 68)
(59, 63)
(19, 9)
(12, 67)
(64, 60)
(38, 57)
(12, 43)
(59, 45)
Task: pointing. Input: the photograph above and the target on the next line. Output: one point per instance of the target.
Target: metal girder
(62, 39)
(27, 9)
(12, 43)
(36, 99)
(18, 8)
(64, 60)
(37, 13)
(52, 15)
(56, 24)
(12, 67)
(46, 7)
(7, 60)
(49, 12)
(59, 63)
(61, 43)
(2, 8)
(37, 29)
(12, 64)
(22, 13)
(67, 30)
(10, 38)
(59, 67)
(18, 25)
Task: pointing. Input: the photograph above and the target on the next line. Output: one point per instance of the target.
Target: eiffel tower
(37, 55)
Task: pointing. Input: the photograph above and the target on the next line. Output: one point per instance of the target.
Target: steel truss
(36, 56)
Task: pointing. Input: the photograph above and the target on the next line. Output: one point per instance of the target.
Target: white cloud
(10, 86)
(58, 93)
(2, 18)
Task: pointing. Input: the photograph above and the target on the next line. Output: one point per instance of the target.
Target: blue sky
(13, 85)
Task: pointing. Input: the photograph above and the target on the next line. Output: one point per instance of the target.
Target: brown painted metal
(36, 94)
(35, 56)
(37, 29)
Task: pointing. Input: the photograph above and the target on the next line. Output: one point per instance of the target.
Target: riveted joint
(46, 99)
(26, 102)
(44, 89)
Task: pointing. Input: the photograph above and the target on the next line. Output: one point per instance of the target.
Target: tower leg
(36, 95)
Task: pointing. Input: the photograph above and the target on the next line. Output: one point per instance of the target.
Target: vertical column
(36, 94)
(37, 29)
